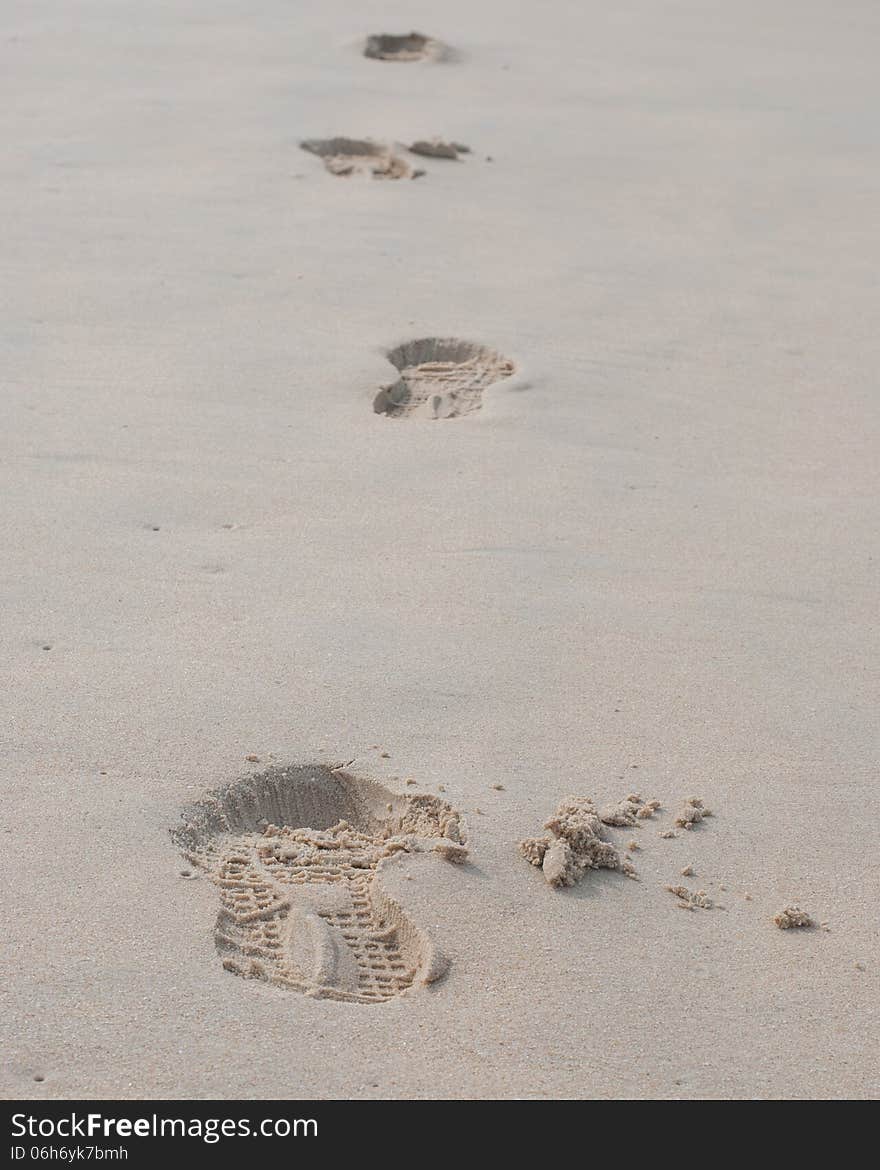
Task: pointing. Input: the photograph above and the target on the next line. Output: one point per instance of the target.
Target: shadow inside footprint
(438, 148)
(408, 47)
(440, 378)
(297, 855)
(354, 156)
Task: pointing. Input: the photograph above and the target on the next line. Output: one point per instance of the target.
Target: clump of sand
(648, 809)
(427, 817)
(792, 917)
(689, 900)
(628, 810)
(574, 844)
(692, 813)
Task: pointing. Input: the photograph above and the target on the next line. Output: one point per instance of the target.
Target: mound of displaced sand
(574, 844)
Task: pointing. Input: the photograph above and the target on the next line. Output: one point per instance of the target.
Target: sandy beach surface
(648, 563)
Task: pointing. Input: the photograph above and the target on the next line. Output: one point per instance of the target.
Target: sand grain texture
(662, 552)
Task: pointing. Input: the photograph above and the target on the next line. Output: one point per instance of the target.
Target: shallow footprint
(297, 854)
(438, 148)
(440, 378)
(355, 156)
(408, 47)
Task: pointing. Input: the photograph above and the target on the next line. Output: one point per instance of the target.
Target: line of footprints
(439, 378)
(298, 852)
(345, 157)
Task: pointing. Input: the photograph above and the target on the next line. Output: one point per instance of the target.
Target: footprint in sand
(297, 854)
(360, 156)
(438, 148)
(408, 47)
(440, 378)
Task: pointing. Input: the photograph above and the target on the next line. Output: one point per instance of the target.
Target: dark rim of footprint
(356, 147)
